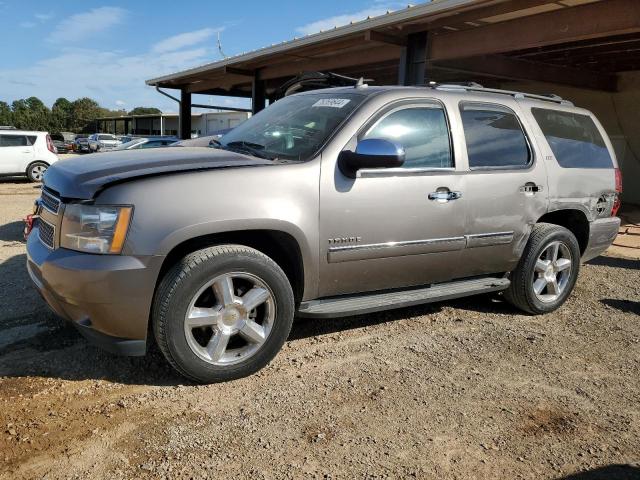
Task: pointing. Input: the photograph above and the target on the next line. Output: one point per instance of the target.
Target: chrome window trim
(381, 172)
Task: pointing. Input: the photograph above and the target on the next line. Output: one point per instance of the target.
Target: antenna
(220, 47)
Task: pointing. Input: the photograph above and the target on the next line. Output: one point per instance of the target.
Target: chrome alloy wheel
(37, 172)
(552, 272)
(230, 318)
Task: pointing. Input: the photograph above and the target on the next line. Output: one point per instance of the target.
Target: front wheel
(35, 171)
(222, 313)
(547, 271)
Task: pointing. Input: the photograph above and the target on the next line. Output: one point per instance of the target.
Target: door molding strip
(349, 253)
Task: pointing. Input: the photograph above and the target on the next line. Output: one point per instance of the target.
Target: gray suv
(326, 204)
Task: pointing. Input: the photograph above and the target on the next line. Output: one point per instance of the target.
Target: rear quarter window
(574, 139)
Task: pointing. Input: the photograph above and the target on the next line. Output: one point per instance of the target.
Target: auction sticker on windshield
(331, 102)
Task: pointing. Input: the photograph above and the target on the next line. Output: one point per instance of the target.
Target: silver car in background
(327, 203)
(102, 141)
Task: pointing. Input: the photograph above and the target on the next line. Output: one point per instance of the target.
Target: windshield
(128, 145)
(293, 128)
(106, 137)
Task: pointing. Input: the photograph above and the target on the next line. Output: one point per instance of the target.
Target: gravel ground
(467, 389)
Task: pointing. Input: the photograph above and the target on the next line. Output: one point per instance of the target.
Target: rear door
(579, 158)
(393, 227)
(16, 152)
(506, 186)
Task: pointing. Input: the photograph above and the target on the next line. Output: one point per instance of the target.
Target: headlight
(95, 228)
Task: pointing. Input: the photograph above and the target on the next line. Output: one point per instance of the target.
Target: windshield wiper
(254, 149)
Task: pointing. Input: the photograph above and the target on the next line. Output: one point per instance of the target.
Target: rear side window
(13, 141)
(494, 137)
(32, 139)
(422, 131)
(573, 138)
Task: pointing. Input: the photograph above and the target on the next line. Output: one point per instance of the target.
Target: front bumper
(107, 297)
(602, 233)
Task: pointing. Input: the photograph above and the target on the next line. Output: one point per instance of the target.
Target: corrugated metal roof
(389, 19)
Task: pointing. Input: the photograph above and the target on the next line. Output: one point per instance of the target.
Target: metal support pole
(412, 68)
(258, 97)
(185, 114)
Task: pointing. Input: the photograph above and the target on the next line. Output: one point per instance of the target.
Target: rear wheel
(222, 313)
(35, 171)
(547, 271)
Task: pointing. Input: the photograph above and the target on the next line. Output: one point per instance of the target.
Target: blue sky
(107, 49)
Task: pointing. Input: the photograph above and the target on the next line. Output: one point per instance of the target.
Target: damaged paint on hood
(83, 177)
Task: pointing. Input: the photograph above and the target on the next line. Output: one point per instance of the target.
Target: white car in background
(26, 153)
(102, 141)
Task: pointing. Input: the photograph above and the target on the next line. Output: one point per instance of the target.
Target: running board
(357, 304)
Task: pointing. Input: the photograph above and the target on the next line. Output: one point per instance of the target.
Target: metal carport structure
(585, 46)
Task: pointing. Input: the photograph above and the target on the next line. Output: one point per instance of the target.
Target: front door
(16, 153)
(392, 228)
(506, 187)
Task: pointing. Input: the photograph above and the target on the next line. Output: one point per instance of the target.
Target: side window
(32, 139)
(573, 138)
(422, 131)
(13, 141)
(494, 137)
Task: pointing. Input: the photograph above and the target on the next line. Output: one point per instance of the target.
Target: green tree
(145, 111)
(84, 112)
(61, 115)
(6, 115)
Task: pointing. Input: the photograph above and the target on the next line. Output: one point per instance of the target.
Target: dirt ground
(467, 389)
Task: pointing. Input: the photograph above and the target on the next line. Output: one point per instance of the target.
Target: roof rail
(476, 87)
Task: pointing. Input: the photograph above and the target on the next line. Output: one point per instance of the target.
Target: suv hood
(83, 177)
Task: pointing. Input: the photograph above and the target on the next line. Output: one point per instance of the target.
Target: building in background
(202, 124)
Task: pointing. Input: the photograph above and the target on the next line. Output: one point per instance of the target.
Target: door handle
(443, 196)
(530, 188)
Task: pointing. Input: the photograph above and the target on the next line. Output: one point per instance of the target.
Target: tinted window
(152, 144)
(494, 137)
(573, 138)
(106, 137)
(422, 131)
(13, 141)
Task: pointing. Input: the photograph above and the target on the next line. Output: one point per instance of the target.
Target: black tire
(186, 278)
(35, 171)
(521, 292)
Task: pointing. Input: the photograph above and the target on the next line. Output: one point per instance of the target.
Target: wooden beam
(593, 20)
(517, 69)
(238, 71)
(486, 12)
(359, 57)
(378, 37)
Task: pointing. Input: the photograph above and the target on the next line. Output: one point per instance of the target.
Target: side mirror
(371, 153)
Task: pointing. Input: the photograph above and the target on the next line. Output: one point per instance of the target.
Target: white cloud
(340, 20)
(184, 40)
(83, 25)
(43, 17)
(110, 77)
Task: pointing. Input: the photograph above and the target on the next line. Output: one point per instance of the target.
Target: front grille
(47, 232)
(50, 202)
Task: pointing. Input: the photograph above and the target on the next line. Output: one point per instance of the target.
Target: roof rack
(476, 87)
